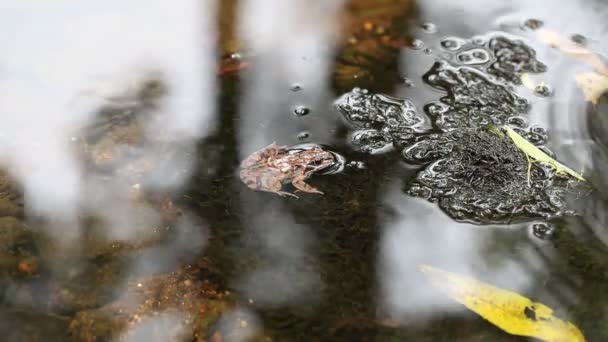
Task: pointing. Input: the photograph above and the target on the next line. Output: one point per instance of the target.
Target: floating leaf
(539, 156)
(527, 81)
(573, 49)
(509, 311)
(540, 89)
(592, 84)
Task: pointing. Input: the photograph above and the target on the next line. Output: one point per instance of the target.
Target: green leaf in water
(537, 155)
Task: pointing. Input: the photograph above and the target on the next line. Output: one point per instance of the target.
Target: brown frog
(271, 167)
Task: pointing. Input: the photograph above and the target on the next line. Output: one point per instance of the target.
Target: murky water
(123, 126)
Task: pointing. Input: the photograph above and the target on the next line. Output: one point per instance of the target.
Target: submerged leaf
(509, 311)
(535, 153)
(573, 49)
(374, 32)
(592, 84)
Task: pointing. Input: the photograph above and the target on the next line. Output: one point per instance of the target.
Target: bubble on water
(356, 164)
(533, 24)
(236, 55)
(479, 40)
(295, 87)
(417, 44)
(464, 58)
(304, 135)
(537, 135)
(474, 56)
(539, 130)
(480, 54)
(428, 51)
(301, 111)
(542, 230)
(406, 81)
(429, 27)
(418, 190)
(452, 44)
(517, 121)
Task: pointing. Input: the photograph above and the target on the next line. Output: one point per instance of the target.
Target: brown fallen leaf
(573, 49)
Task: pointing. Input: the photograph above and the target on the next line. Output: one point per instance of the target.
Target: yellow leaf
(535, 153)
(592, 84)
(573, 49)
(509, 311)
(527, 82)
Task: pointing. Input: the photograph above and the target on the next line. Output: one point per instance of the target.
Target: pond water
(123, 124)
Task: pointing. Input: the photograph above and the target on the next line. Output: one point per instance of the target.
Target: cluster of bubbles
(471, 169)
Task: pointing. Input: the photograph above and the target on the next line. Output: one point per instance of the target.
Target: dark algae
(472, 99)
(478, 175)
(384, 121)
(473, 174)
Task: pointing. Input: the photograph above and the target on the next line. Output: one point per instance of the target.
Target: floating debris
(543, 231)
(301, 111)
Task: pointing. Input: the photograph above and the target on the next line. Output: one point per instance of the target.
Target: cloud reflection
(419, 233)
(293, 41)
(58, 73)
